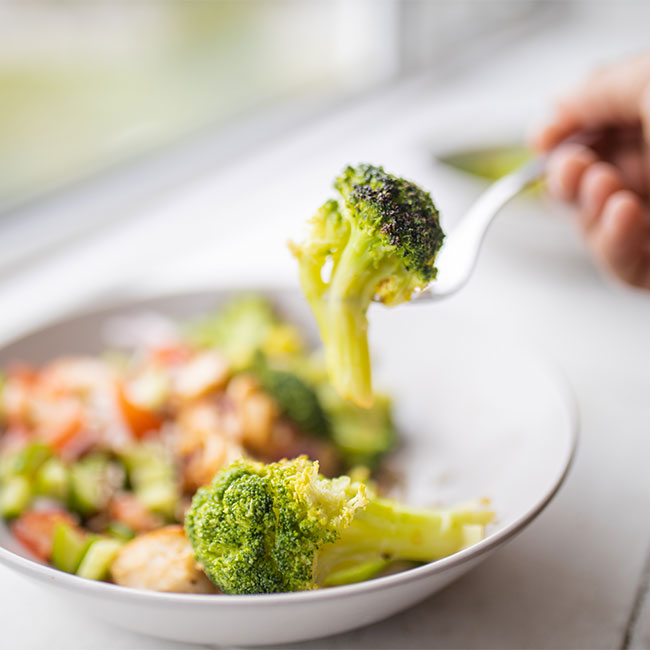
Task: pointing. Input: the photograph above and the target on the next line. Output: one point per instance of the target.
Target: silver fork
(458, 256)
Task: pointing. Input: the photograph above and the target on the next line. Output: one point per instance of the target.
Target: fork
(457, 258)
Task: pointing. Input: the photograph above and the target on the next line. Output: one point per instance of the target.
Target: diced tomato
(35, 530)
(62, 421)
(140, 421)
(171, 354)
(78, 444)
(127, 509)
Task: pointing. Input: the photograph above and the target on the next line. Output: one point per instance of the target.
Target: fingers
(565, 170)
(621, 238)
(613, 218)
(558, 128)
(613, 108)
(632, 164)
(598, 183)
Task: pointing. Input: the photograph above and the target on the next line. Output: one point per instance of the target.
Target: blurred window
(84, 85)
(88, 85)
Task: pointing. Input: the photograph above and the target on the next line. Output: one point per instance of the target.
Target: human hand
(608, 177)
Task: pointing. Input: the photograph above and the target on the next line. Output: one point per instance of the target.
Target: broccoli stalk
(282, 527)
(386, 530)
(379, 240)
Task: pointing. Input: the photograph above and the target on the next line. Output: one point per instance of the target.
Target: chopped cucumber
(97, 561)
(52, 479)
(152, 476)
(120, 531)
(151, 473)
(15, 495)
(69, 547)
(148, 463)
(92, 483)
(160, 497)
(26, 461)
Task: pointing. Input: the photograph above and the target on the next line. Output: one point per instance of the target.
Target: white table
(577, 578)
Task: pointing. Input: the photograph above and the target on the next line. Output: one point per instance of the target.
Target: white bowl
(481, 416)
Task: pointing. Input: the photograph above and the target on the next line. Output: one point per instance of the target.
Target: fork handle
(459, 254)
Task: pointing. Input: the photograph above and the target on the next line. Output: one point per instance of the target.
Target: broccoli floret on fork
(378, 240)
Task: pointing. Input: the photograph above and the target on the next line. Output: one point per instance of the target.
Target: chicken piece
(256, 410)
(205, 372)
(258, 413)
(216, 452)
(240, 387)
(162, 560)
(204, 418)
(207, 439)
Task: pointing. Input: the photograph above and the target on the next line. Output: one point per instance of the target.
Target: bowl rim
(71, 582)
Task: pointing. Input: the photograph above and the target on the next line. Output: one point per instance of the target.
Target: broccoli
(378, 240)
(257, 527)
(295, 398)
(282, 527)
(362, 435)
(243, 326)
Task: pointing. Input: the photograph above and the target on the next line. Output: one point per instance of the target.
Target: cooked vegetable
(257, 527)
(97, 456)
(242, 327)
(152, 476)
(282, 527)
(25, 461)
(379, 239)
(296, 399)
(93, 481)
(53, 480)
(96, 562)
(35, 529)
(139, 419)
(362, 435)
(120, 531)
(69, 546)
(15, 496)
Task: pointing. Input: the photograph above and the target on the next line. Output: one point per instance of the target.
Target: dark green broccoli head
(400, 214)
(295, 398)
(378, 240)
(257, 528)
